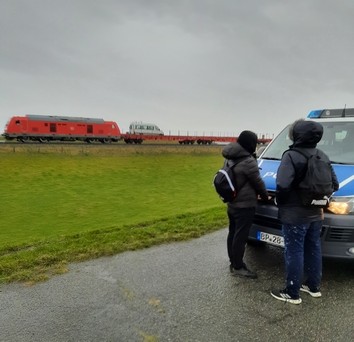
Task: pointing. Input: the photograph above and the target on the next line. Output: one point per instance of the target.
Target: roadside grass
(69, 204)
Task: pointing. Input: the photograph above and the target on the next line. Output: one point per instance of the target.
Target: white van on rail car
(144, 128)
(338, 226)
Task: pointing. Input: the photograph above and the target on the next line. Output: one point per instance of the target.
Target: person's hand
(269, 198)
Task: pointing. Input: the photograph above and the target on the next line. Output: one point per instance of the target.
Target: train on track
(47, 128)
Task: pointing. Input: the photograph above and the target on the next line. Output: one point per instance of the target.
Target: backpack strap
(232, 163)
(307, 156)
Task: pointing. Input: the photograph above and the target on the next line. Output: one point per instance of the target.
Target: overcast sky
(197, 66)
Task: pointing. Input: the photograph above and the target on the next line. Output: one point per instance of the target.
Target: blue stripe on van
(345, 175)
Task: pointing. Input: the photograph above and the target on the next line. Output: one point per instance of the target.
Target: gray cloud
(200, 65)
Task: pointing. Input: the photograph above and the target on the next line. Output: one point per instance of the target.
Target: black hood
(305, 133)
(248, 140)
(234, 151)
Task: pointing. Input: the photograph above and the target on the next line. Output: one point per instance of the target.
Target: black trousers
(240, 221)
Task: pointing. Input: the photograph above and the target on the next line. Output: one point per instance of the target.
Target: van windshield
(337, 142)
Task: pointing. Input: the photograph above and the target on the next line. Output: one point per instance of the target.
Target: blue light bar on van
(331, 113)
(315, 114)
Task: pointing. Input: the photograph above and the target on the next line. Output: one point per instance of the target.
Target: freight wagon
(184, 139)
(140, 131)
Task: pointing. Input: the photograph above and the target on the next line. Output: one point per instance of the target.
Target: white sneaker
(314, 292)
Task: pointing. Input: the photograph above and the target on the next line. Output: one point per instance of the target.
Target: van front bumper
(337, 235)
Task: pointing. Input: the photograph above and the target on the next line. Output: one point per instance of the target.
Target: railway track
(118, 145)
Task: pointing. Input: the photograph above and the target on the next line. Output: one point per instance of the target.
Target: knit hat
(248, 140)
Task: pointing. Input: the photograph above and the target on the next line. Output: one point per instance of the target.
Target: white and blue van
(338, 143)
(144, 128)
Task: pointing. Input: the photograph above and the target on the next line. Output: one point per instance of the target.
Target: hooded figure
(248, 180)
(249, 185)
(305, 135)
(301, 225)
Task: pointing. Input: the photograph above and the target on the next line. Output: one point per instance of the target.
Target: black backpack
(224, 182)
(316, 186)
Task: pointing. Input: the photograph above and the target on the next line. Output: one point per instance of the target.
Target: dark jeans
(303, 255)
(240, 221)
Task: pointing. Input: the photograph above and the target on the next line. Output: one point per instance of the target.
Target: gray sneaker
(244, 272)
(316, 293)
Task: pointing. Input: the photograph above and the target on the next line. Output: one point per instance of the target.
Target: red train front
(64, 128)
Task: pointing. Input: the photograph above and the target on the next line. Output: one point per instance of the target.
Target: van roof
(331, 113)
(142, 123)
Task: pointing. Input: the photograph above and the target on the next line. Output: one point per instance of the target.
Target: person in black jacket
(241, 211)
(301, 225)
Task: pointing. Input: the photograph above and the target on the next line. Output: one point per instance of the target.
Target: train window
(17, 122)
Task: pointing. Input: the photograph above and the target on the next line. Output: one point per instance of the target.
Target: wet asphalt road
(177, 292)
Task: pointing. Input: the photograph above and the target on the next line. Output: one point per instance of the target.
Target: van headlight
(341, 205)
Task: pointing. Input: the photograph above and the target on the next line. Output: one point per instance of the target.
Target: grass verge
(35, 262)
(68, 204)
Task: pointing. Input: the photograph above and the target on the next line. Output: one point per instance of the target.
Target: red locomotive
(45, 128)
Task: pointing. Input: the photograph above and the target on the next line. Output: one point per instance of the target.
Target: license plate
(271, 238)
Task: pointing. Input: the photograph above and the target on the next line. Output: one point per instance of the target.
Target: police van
(338, 226)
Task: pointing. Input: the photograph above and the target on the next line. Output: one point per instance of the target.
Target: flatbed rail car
(45, 128)
(182, 139)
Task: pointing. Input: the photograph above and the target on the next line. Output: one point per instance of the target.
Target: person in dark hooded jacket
(301, 225)
(249, 185)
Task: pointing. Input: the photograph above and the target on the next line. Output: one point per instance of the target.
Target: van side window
(348, 142)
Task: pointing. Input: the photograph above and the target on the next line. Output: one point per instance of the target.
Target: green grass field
(69, 203)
